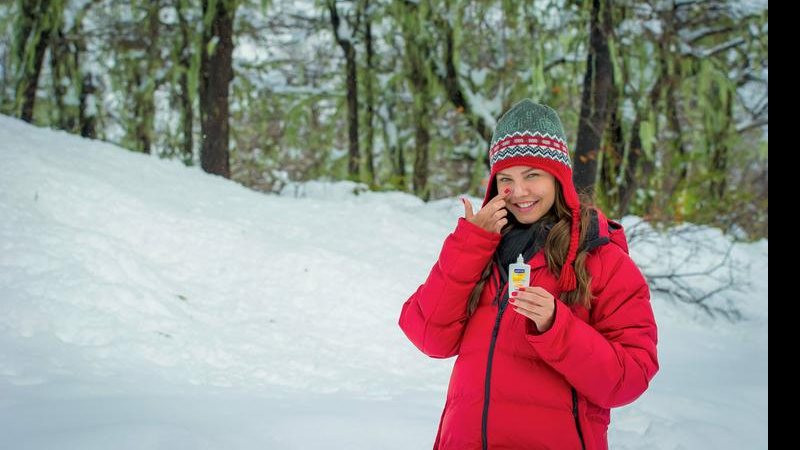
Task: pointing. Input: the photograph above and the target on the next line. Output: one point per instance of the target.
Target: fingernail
(511, 300)
(514, 293)
(506, 191)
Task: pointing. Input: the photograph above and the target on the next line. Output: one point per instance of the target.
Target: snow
(149, 305)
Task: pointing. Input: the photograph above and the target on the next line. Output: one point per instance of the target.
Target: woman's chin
(525, 219)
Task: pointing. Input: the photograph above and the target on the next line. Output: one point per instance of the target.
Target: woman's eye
(531, 175)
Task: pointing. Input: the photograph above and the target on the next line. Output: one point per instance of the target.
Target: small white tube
(519, 275)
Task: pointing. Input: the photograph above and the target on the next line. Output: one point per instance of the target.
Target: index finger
(499, 200)
(538, 291)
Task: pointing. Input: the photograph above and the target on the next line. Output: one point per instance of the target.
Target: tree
(37, 20)
(597, 85)
(216, 73)
(369, 74)
(186, 71)
(450, 80)
(417, 51)
(343, 33)
(691, 93)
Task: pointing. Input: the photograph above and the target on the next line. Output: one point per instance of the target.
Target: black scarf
(524, 239)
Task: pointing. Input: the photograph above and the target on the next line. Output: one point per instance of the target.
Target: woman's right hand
(491, 217)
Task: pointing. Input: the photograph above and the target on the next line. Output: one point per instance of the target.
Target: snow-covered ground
(149, 305)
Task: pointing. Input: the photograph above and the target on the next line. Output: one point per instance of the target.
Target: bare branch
(750, 125)
(704, 288)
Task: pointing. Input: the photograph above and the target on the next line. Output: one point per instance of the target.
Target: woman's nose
(518, 190)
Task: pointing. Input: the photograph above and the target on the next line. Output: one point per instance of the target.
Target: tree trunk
(633, 158)
(417, 56)
(392, 145)
(216, 73)
(452, 85)
(141, 134)
(719, 155)
(672, 181)
(59, 56)
(422, 141)
(628, 188)
(400, 166)
(187, 111)
(86, 90)
(597, 85)
(87, 114)
(422, 101)
(345, 42)
(673, 150)
(613, 157)
(32, 43)
(87, 103)
(150, 82)
(370, 95)
(354, 160)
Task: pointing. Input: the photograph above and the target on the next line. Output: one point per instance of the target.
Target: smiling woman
(532, 192)
(578, 342)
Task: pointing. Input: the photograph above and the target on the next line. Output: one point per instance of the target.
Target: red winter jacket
(550, 390)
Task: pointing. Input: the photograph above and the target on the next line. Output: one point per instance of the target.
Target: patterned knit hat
(529, 134)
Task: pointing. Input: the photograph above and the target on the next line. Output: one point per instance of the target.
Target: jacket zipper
(487, 384)
(577, 420)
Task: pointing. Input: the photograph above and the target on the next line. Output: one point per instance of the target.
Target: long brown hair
(555, 251)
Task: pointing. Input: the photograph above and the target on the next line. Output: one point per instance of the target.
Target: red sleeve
(612, 362)
(435, 315)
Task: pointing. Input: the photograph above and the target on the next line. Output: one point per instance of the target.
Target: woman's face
(533, 192)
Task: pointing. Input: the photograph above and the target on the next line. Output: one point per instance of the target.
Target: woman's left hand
(535, 303)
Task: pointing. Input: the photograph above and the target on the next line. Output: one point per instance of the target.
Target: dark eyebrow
(524, 172)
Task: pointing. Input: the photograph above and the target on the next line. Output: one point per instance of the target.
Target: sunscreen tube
(519, 275)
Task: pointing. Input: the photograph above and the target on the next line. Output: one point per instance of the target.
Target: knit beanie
(530, 134)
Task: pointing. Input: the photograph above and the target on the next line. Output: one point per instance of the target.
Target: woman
(544, 372)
